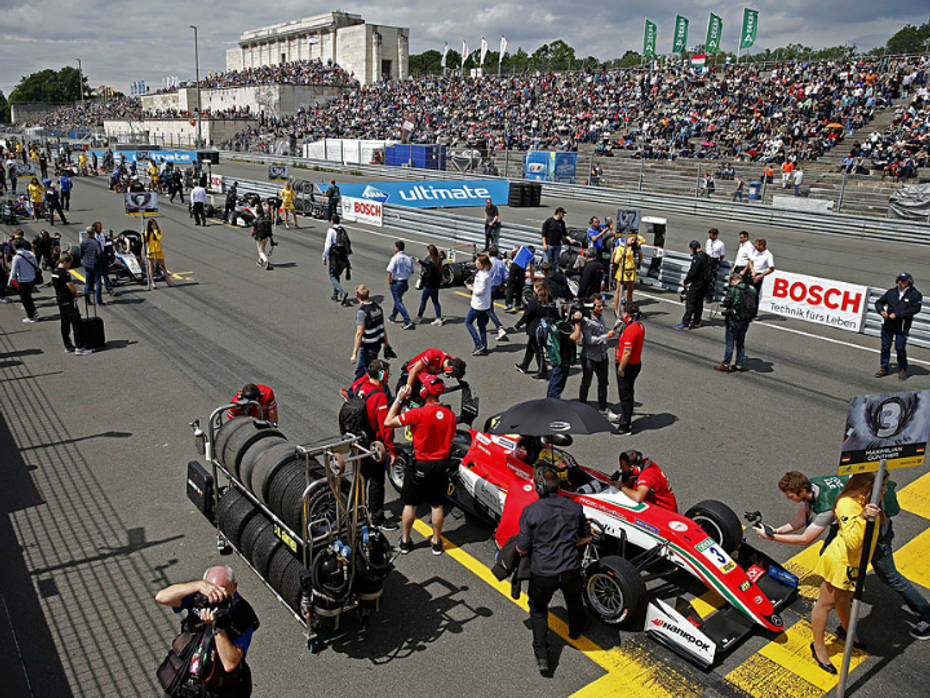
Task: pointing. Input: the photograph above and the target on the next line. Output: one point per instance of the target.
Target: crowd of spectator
(900, 149)
(89, 113)
(307, 72)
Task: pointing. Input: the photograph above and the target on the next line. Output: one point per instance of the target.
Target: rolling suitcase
(92, 329)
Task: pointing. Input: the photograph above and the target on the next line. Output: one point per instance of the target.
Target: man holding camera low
(224, 622)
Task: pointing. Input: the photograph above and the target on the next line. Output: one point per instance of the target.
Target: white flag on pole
(464, 53)
(484, 50)
(445, 50)
(500, 58)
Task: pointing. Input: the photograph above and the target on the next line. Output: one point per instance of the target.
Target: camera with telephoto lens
(221, 610)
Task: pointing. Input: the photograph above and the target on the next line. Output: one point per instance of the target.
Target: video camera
(754, 519)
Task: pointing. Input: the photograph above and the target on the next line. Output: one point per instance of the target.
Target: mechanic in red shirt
(373, 388)
(648, 481)
(434, 362)
(265, 398)
(432, 428)
(629, 354)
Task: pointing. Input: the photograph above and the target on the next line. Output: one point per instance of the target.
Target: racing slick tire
(266, 465)
(233, 512)
(398, 469)
(280, 480)
(251, 533)
(719, 521)
(613, 589)
(264, 549)
(240, 438)
(252, 454)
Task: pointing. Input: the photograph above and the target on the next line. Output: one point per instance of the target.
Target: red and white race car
(633, 543)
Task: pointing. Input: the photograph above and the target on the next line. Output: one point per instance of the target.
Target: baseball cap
(694, 245)
(560, 210)
(904, 276)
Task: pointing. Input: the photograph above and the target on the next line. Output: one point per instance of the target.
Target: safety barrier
(749, 214)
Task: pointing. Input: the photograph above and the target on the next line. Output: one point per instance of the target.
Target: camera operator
(227, 621)
(740, 304)
(232, 198)
(552, 531)
(591, 333)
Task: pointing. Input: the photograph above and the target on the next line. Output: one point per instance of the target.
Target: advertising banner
(430, 193)
(649, 39)
(681, 34)
(176, 156)
(216, 182)
(747, 36)
(562, 166)
(550, 166)
(362, 210)
(892, 426)
(824, 301)
(536, 165)
(714, 30)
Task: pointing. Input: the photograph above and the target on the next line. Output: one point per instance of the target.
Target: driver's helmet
(557, 460)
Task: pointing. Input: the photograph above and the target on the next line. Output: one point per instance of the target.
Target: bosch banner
(430, 193)
(824, 301)
(362, 210)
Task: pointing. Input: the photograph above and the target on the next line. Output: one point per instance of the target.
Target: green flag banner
(714, 30)
(681, 34)
(649, 39)
(747, 37)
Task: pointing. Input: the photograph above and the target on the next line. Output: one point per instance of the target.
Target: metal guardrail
(464, 230)
(748, 213)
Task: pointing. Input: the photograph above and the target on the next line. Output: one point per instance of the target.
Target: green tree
(4, 109)
(50, 86)
(909, 39)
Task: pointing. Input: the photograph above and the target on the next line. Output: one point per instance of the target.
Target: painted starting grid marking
(783, 668)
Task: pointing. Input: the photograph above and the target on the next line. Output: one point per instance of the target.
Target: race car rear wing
(704, 641)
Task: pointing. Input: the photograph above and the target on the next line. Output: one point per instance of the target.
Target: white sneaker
(29, 319)
(610, 415)
(501, 334)
(438, 322)
(83, 352)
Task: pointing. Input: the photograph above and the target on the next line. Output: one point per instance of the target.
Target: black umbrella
(550, 416)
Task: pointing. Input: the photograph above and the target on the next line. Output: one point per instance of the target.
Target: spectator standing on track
(337, 251)
(154, 253)
(629, 363)
(592, 335)
(23, 273)
(553, 233)
(227, 632)
(897, 306)
(492, 224)
(198, 202)
(816, 497)
(761, 264)
(553, 530)
(798, 180)
(53, 205)
(91, 253)
(66, 185)
(370, 332)
(399, 270)
(480, 303)
(232, 198)
(695, 287)
(287, 204)
(498, 279)
(432, 428)
(521, 266)
(431, 280)
(333, 198)
(740, 306)
(65, 294)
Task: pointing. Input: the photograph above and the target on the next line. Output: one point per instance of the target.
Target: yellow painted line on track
(707, 603)
(913, 561)
(636, 676)
(468, 295)
(915, 498)
(77, 275)
(801, 566)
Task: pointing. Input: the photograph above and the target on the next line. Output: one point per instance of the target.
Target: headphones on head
(431, 385)
(539, 481)
(378, 369)
(634, 458)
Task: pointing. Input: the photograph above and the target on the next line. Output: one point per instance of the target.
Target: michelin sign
(430, 193)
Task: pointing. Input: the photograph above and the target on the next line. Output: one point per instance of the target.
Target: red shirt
(432, 427)
(660, 491)
(376, 405)
(265, 399)
(632, 336)
(432, 360)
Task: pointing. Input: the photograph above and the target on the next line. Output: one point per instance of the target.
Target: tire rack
(334, 464)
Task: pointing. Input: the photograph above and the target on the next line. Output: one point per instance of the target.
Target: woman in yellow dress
(287, 203)
(153, 251)
(628, 255)
(36, 193)
(839, 563)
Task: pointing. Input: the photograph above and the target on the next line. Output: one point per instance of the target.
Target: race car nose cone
(776, 620)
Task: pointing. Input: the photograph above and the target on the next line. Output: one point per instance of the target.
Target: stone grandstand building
(371, 51)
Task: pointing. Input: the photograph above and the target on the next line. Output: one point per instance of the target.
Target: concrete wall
(176, 132)
(22, 112)
(274, 100)
(184, 99)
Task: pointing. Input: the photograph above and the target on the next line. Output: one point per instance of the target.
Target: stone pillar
(374, 68)
(402, 60)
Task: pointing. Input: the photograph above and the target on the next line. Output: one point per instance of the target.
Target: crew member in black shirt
(553, 233)
(65, 294)
(492, 224)
(592, 275)
(552, 531)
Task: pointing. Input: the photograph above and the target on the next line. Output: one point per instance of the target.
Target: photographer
(740, 305)
(217, 668)
(591, 333)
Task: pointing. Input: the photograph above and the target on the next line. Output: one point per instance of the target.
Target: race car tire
(290, 584)
(719, 521)
(265, 547)
(250, 534)
(280, 480)
(528, 294)
(280, 559)
(239, 438)
(397, 470)
(458, 273)
(614, 590)
(253, 453)
(448, 275)
(321, 507)
(233, 512)
(267, 464)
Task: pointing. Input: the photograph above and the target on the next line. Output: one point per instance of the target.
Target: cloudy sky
(119, 42)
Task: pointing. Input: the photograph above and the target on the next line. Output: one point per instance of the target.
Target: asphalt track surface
(95, 451)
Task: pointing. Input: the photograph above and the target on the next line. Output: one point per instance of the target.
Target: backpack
(554, 345)
(747, 304)
(342, 245)
(353, 418)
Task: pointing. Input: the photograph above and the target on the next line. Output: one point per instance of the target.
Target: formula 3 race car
(632, 543)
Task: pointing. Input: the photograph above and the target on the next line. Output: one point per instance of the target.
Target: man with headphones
(433, 361)
(628, 359)
(432, 429)
(261, 394)
(552, 531)
(373, 389)
(641, 479)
